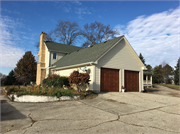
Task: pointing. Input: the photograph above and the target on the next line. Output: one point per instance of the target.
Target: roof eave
(58, 51)
(76, 65)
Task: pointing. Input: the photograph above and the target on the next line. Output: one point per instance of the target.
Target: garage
(131, 81)
(109, 80)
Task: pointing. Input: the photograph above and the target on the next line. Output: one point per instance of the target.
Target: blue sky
(151, 27)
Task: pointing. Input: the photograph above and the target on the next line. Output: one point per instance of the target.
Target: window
(54, 55)
(144, 77)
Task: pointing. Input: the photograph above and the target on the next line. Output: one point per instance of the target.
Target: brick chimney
(41, 71)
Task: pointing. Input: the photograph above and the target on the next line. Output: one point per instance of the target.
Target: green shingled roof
(89, 54)
(52, 46)
(146, 72)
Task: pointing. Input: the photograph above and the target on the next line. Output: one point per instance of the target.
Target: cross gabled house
(111, 64)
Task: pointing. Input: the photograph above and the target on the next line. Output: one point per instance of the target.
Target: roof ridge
(107, 40)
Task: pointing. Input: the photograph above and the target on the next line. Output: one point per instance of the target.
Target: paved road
(161, 90)
(107, 113)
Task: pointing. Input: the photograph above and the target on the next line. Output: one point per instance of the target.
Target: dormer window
(54, 55)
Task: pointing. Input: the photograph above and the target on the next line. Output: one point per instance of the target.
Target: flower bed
(37, 94)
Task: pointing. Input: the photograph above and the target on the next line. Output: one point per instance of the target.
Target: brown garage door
(131, 81)
(109, 80)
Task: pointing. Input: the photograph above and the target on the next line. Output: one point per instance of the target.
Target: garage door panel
(109, 80)
(132, 81)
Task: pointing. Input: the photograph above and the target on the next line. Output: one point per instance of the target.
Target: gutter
(87, 63)
(58, 51)
(51, 67)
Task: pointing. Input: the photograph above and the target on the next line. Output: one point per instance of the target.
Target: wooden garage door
(109, 80)
(131, 81)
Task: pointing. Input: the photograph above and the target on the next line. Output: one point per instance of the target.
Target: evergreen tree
(10, 78)
(157, 76)
(26, 67)
(142, 59)
(149, 68)
(167, 70)
(176, 73)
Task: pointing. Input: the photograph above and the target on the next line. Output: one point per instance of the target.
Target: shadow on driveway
(8, 112)
(151, 90)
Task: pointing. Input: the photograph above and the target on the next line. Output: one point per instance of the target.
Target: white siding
(67, 72)
(120, 57)
(58, 56)
(47, 54)
(49, 59)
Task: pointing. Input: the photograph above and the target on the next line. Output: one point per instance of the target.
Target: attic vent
(90, 45)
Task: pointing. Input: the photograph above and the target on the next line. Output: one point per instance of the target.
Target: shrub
(59, 92)
(78, 78)
(36, 90)
(64, 81)
(56, 81)
(11, 89)
(52, 80)
(53, 76)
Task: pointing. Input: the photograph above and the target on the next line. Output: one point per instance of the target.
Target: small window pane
(54, 55)
(144, 77)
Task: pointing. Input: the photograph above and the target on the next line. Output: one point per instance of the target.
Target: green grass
(170, 86)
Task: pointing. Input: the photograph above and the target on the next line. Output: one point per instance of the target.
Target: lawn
(170, 86)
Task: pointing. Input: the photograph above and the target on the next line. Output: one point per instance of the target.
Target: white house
(111, 64)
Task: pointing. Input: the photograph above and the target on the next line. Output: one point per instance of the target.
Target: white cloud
(75, 7)
(82, 10)
(77, 2)
(10, 53)
(9, 11)
(155, 36)
(67, 9)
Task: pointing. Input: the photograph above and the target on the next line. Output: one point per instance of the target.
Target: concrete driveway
(107, 113)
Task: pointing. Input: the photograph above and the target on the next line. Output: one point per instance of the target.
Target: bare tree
(49, 37)
(3, 79)
(67, 32)
(97, 32)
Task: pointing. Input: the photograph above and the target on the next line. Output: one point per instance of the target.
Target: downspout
(93, 77)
